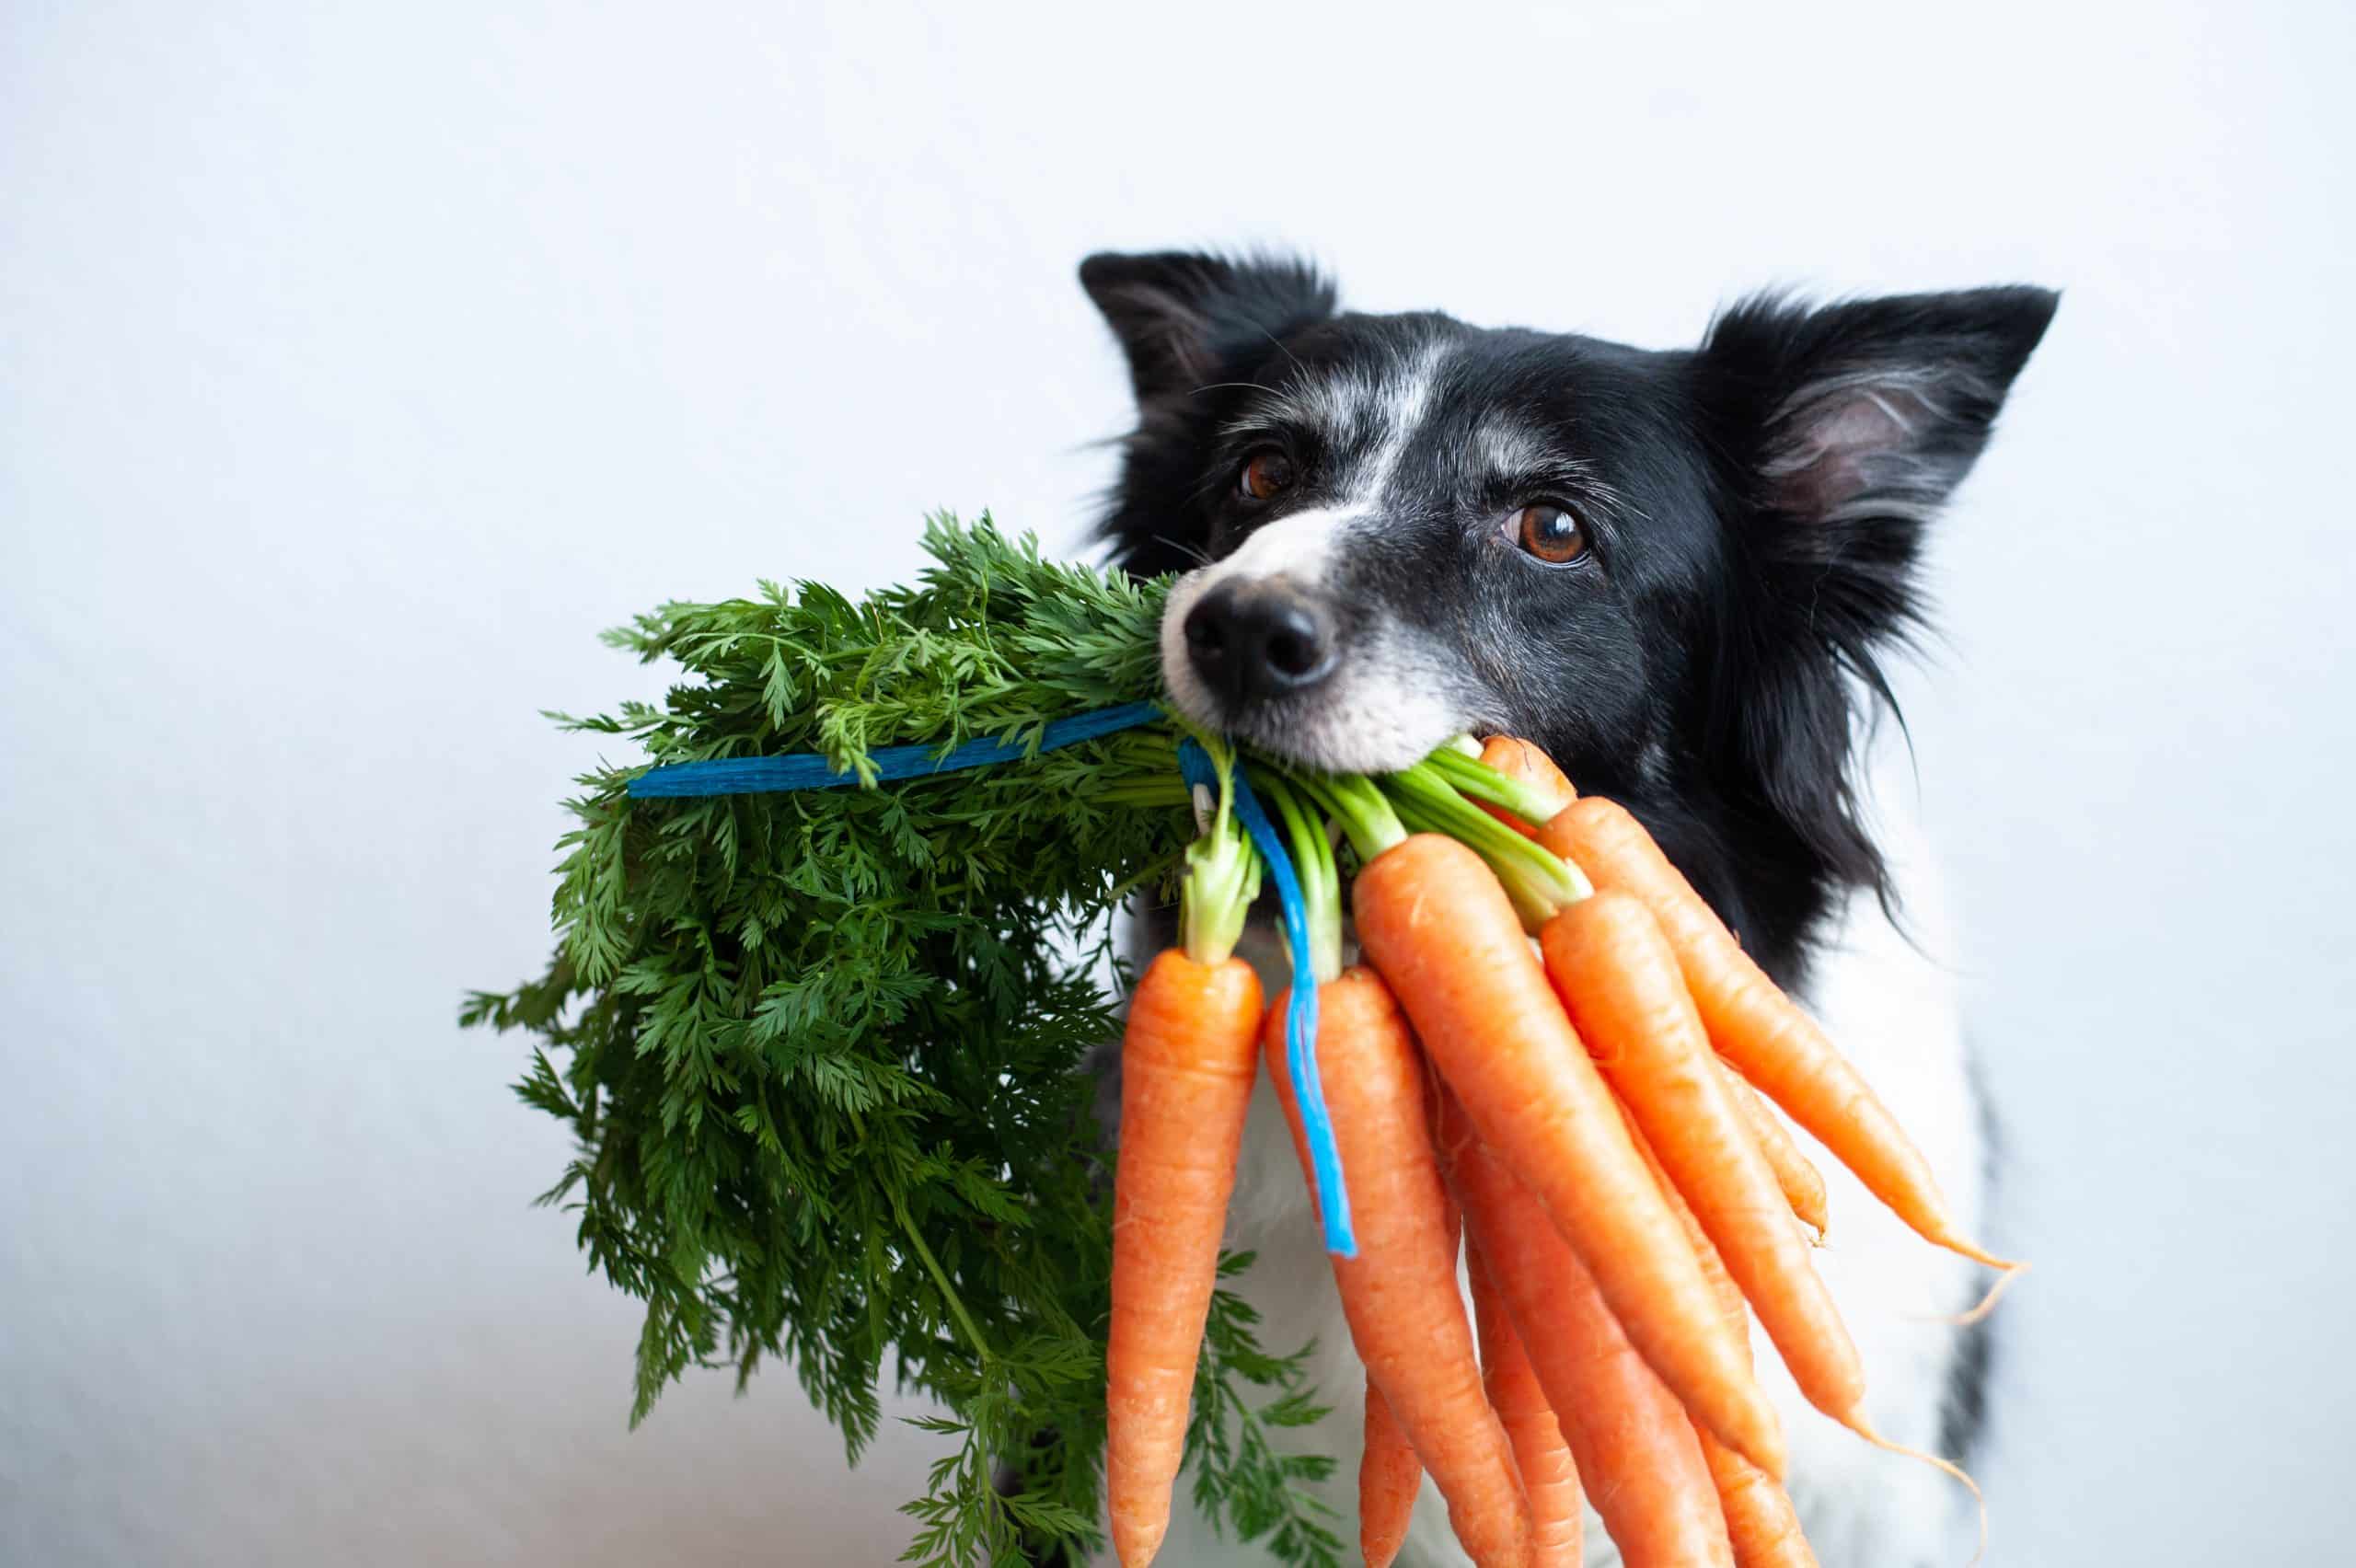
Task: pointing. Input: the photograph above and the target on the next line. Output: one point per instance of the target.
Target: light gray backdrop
(356, 369)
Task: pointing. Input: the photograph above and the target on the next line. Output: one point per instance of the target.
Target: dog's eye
(1548, 532)
(1265, 475)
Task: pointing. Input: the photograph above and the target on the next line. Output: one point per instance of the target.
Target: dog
(1681, 574)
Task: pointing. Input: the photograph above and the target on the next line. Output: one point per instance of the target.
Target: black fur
(1755, 506)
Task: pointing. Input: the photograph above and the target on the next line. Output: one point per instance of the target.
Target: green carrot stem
(1149, 794)
(1541, 884)
(1352, 800)
(1473, 777)
(1313, 864)
(1223, 873)
(981, 1347)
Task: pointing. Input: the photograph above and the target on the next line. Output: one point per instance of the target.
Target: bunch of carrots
(1579, 1120)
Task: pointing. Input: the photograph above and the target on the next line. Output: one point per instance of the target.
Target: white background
(354, 372)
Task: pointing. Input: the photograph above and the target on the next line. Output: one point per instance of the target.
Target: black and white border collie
(1679, 573)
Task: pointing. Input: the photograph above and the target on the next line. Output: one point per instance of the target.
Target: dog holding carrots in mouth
(1679, 572)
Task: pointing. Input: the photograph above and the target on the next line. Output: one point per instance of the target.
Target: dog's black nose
(1249, 640)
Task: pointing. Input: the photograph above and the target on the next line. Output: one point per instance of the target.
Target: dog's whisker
(1279, 343)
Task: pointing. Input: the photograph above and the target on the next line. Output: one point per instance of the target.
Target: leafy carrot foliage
(821, 1052)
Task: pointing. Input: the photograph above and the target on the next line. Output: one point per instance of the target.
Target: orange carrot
(1389, 1474)
(1620, 980)
(1446, 936)
(1549, 1477)
(1186, 1069)
(1760, 1518)
(1802, 1186)
(1634, 1446)
(1758, 1029)
(1400, 1294)
(1762, 1526)
(1519, 759)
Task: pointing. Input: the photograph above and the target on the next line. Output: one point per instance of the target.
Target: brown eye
(1265, 476)
(1550, 533)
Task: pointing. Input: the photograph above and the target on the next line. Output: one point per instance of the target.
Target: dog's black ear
(1845, 429)
(1183, 317)
(1870, 409)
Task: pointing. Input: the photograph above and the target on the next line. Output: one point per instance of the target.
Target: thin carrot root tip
(1857, 1423)
(1987, 1303)
(1986, 1258)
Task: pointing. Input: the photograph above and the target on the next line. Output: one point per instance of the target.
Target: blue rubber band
(812, 770)
(1300, 1015)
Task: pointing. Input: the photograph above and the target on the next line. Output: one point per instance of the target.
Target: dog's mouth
(1273, 666)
